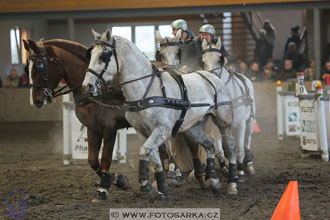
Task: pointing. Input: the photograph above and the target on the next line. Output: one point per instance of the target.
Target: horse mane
(77, 49)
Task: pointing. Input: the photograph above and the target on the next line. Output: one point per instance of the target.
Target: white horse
(243, 114)
(171, 52)
(242, 92)
(116, 55)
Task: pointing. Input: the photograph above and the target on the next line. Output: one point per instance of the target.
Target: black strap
(184, 97)
(215, 90)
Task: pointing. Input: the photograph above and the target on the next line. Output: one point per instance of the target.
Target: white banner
(308, 137)
(79, 138)
(292, 125)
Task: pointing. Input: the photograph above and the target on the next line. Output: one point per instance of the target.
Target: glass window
(165, 30)
(15, 45)
(123, 31)
(145, 40)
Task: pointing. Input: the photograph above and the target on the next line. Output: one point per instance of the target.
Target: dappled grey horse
(160, 104)
(240, 87)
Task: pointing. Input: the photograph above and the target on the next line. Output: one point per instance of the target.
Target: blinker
(41, 65)
(106, 55)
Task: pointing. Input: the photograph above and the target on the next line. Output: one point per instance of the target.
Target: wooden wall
(11, 6)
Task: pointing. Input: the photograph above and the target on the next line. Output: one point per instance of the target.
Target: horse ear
(108, 35)
(204, 44)
(177, 36)
(26, 45)
(218, 45)
(97, 36)
(33, 46)
(159, 37)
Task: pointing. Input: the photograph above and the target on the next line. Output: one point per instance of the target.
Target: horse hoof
(171, 178)
(232, 188)
(101, 195)
(162, 198)
(181, 180)
(241, 176)
(122, 182)
(250, 171)
(215, 184)
(146, 191)
(202, 182)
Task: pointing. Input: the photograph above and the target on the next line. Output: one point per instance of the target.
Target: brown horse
(51, 60)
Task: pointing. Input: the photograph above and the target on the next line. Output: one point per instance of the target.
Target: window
(145, 40)
(165, 30)
(18, 53)
(15, 45)
(125, 32)
(143, 36)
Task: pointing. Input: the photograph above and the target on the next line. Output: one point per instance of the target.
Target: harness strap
(184, 97)
(215, 90)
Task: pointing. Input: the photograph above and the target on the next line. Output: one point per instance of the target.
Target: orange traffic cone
(256, 128)
(288, 207)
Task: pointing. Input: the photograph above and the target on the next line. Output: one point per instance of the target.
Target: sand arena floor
(31, 169)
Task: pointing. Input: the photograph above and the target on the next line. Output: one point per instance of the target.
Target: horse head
(103, 63)
(169, 50)
(44, 72)
(212, 57)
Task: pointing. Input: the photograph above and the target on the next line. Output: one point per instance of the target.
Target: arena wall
(15, 104)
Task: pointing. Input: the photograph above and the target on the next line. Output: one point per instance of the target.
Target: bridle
(42, 68)
(221, 61)
(167, 44)
(105, 57)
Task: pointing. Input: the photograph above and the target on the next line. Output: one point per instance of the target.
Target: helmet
(180, 23)
(208, 28)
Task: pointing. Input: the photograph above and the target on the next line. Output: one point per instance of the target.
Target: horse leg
(197, 135)
(249, 169)
(199, 170)
(170, 175)
(94, 144)
(220, 155)
(223, 120)
(150, 149)
(239, 137)
(109, 137)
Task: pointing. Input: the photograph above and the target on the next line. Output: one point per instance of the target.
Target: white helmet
(180, 23)
(207, 28)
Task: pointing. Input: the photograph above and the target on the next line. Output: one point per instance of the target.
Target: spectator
(243, 68)
(293, 38)
(11, 80)
(270, 63)
(268, 74)
(270, 32)
(264, 49)
(288, 72)
(325, 70)
(253, 72)
(296, 57)
(23, 80)
(310, 70)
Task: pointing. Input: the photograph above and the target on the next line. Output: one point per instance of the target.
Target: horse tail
(181, 154)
